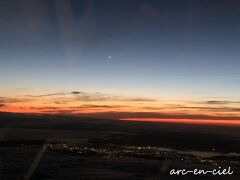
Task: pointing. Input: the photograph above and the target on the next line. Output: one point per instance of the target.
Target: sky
(121, 59)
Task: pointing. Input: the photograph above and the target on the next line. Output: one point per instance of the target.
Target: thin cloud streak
(46, 95)
(6, 100)
(89, 106)
(87, 96)
(76, 92)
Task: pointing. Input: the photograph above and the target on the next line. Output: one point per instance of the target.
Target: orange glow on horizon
(100, 105)
(188, 121)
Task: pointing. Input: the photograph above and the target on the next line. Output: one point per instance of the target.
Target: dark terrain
(68, 147)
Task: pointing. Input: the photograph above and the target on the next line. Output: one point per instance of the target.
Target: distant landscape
(70, 147)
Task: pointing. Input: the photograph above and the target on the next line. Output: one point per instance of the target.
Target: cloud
(45, 108)
(76, 92)
(85, 96)
(218, 102)
(57, 102)
(140, 99)
(67, 112)
(207, 108)
(46, 95)
(93, 106)
(88, 96)
(2, 105)
(6, 100)
(92, 97)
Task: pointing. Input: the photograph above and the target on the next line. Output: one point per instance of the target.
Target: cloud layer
(96, 104)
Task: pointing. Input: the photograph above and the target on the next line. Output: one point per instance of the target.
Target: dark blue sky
(172, 49)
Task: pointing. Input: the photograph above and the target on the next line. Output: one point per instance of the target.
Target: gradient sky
(124, 59)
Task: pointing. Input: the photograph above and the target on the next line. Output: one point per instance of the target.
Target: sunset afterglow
(150, 60)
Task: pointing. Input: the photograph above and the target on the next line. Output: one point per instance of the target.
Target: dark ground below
(61, 147)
